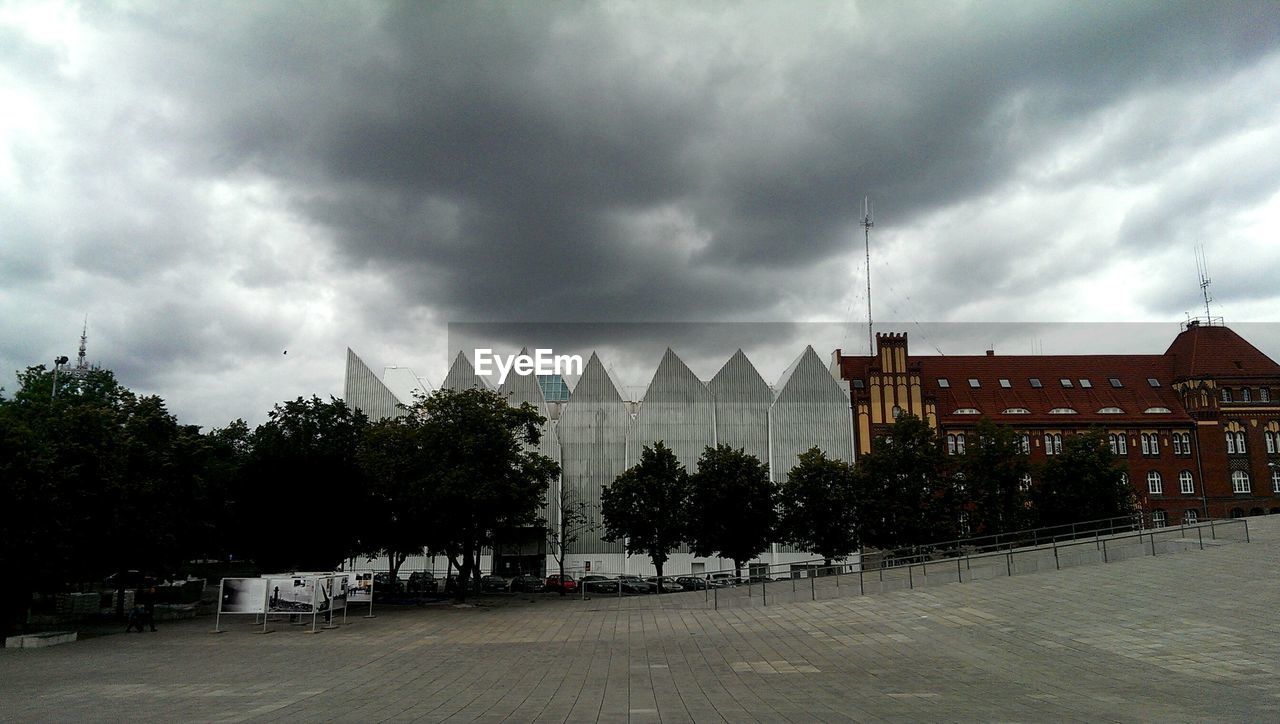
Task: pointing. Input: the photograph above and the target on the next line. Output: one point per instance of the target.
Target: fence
(955, 565)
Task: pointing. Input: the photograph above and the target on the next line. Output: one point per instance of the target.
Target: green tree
(1085, 482)
(647, 506)
(909, 496)
(300, 488)
(396, 471)
(993, 468)
(819, 506)
(483, 470)
(734, 509)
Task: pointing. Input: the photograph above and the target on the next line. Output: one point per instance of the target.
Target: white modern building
(597, 434)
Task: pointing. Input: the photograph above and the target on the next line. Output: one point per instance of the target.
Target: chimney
(991, 353)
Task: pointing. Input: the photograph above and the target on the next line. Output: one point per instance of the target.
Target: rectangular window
(1005, 383)
(1115, 382)
(1085, 383)
(974, 383)
(943, 383)
(1035, 382)
(1066, 382)
(1153, 382)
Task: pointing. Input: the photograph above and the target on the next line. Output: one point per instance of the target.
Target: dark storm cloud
(490, 147)
(223, 178)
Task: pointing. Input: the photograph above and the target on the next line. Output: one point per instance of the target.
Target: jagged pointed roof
(523, 388)
(595, 384)
(462, 375)
(740, 379)
(674, 381)
(808, 372)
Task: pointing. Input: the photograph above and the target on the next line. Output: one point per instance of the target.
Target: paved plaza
(1190, 636)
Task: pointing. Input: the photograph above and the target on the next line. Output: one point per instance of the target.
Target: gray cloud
(224, 180)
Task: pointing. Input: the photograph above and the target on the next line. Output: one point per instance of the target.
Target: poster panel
(324, 593)
(340, 591)
(243, 595)
(360, 587)
(294, 594)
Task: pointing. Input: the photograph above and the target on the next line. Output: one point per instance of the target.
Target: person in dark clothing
(147, 599)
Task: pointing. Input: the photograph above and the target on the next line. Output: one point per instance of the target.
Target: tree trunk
(658, 564)
(464, 575)
(561, 561)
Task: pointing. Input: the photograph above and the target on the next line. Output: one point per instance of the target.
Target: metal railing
(1055, 552)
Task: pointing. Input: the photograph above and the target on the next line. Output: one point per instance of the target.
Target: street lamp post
(57, 364)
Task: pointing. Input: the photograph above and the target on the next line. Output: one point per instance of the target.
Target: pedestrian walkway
(1170, 638)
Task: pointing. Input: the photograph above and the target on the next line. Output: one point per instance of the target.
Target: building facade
(1198, 426)
(596, 434)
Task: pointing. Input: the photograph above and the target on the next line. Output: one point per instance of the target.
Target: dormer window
(943, 383)
(859, 385)
(1062, 411)
(1157, 411)
(1035, 382)
(1005, 383)
(967, 411)
(1017, 411)
(1153, 382)
(1115, 382)
(1086, 384)
(1066, 382)
(1111, 411)
(973, 382)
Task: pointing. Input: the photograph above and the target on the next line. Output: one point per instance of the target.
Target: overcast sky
(215, 184)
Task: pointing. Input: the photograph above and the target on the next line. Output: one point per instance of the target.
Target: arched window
(1062, 411)
(1235, 443)
(1024, 443)
(1186, 483)
(1226, 394)
(955, 444)
(1237, 512)
(1246, 395)
(1272, 439)
(1240, 482)
(1190, 517)
(1025, 484)
(1181, 443)
(1111, 411)
(1151, 444)
(1240, 443)
(1157, 411)
(1155, 485)
(1275, 480)
(1052, 443)
(1118, 445)
(1017, 411)
(1158, 518)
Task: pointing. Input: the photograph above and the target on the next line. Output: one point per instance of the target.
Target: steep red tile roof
(1205, 351)
(1134, 397)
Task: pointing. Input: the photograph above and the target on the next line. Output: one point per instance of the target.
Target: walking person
(147, 597)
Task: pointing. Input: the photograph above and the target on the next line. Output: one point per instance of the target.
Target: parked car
(636, 584)
(724, 579)
(599, 584)
(495, 584)
(555, 584)
(528, 584)
(422, 582)
(383, 583)
(694, 583)
(669, 585)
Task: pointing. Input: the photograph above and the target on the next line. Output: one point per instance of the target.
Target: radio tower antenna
(867, 223)
(1202, 268)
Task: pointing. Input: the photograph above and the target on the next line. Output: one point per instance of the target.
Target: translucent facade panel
(811, 410)
(742, 402)
(521, 389)
(363, 391)
(677, 409)
(462, 375)
(593, 442)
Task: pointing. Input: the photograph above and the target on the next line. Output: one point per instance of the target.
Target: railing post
(1056, 565)
(1246, 530)
(1008, 563)
(716, 596)
(764, 589)
(813, 588)
(910, 581)
(1104, 551)
(861, 590)
(1213, 533)
(1153, 542)
(1200, 536)
(959, 576)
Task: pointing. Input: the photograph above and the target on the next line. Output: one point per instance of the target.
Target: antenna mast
(1202, 268)
(867, 223)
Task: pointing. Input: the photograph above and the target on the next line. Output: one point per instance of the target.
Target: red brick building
(1198, 425)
